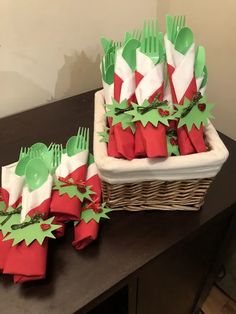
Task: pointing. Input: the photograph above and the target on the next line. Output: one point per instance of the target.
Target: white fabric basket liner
(117, 171)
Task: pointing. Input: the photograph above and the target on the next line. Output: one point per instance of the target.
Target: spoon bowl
(21, 166)
(184, 40)
(71, 146)
(36, 173)
(41, 147)
(200, 61)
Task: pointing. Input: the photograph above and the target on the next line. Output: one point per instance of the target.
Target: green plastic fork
(82, 139)
(178, 24)
(132, 42)
(56, 157)
(78, 143)
(174, 25)
(150, 42)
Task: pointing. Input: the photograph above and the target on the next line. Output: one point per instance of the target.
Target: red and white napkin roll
(124, 88)
(24, 262)
(111, 145)
(11, 192)
(85, 233)
(63, 207)
(152, 84)
(183, 84)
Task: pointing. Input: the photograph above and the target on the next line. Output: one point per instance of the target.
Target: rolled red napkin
(70, 174)
(124, 89)
(150, 79)
(184, 85)
(86, 232)
(29, 262)
(10, 199)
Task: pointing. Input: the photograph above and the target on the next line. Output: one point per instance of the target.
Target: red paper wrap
(189, 141)
(28, 263)
(5, 246)
(65, 208)
(85, 233)
(124, 139)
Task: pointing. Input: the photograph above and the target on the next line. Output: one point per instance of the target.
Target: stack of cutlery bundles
(154, 88)
(48, 187)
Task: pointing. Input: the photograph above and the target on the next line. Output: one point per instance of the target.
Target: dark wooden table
(166, 260)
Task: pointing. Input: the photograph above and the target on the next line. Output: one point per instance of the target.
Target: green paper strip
(152, 114)
(33, 232)
(72, 190)
(189, 113)
(119, 114)
(89, 214)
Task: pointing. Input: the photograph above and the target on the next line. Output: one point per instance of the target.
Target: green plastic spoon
(71, 146)
(21, 166)
(184, 40)
(205, 77)
(200, 61)
(129, 52)
(36, 173)
(41, 147)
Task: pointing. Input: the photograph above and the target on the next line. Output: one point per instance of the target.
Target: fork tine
(156, 28)
(80, 143)
(49, 147)
(174, 29)
(21, 151)
(84, 139)
(87, 140)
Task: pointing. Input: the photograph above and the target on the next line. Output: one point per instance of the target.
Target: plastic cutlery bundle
(165, 73)
(47, 187)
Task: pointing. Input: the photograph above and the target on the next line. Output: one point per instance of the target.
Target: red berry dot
(45, 227)
(201, 107)
(173, 141)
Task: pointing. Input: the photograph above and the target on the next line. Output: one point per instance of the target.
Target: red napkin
(193, 141)
(124, 138)
(154, 137)
(5, 246)
(29, 262)
(63, 207)
(85, 233)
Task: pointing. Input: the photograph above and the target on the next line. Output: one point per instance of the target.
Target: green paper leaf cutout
(195, 115)
(72, 190)
(123, 118)
(89, 214)
(172, 148)
(33, 232)
(7, 221)
(104, 135)
(153, 116)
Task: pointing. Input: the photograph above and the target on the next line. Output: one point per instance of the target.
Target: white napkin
(91, 171)
(32, 199)
(184, 67)
(70, 164)
(150, 83)
(143, 63)
(12, 182)
(108, 92)
(123, 70)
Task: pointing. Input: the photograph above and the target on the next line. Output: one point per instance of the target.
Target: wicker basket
(173, 183)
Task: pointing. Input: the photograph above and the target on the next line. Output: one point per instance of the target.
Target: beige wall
(214, 24)
(50, 49)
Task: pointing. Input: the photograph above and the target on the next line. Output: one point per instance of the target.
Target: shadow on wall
(20, 93)
(77, 75)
